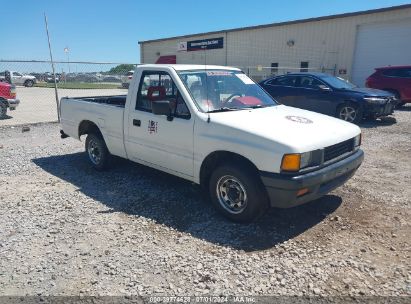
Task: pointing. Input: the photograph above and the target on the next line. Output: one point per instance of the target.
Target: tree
(122, 68)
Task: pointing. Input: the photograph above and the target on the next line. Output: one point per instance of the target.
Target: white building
(349, 45)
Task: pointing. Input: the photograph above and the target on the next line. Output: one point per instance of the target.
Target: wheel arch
(87, 127)
(216, 158)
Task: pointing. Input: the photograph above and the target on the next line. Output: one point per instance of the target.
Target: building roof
(373, 11)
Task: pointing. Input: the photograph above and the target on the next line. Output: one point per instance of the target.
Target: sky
(109, 31)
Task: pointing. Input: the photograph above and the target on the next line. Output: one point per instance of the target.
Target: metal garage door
(379, 45)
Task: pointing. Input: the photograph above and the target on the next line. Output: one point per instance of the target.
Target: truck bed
(105, 111)
(117, 100)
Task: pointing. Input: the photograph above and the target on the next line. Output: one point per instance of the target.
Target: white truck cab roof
(183, 67)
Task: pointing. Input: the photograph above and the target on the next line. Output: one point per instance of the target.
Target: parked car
(394, 79)
(8, 98)
(20, 79)
(214, 126)
(86, 78)
(330, 95)
(50, 78)
(111, 79)
(126, 79)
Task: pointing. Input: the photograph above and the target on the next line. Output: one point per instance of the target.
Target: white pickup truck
(214, 126)
(19, 79)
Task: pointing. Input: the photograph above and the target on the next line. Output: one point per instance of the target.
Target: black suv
(327, 94)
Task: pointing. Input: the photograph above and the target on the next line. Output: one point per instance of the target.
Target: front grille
(339, 149)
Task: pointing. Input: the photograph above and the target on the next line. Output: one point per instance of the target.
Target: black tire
(3, 110)
(29, 83)
(349, 112)
(243, 182)
(97, 152)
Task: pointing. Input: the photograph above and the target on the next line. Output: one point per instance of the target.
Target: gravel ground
(66, 229)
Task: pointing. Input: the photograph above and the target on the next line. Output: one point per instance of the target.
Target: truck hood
(370, 92)
(296, 129)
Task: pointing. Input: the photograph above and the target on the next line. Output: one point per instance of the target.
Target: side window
(147, 81)
(288, 81)
(407, 73)
(309, 82)
(17, 74)
(156, 86)
(404, 73)
(390, 72)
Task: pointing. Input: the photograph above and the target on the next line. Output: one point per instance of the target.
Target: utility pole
(67, 50)
(52, 66)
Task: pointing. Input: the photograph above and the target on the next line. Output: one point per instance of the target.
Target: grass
(78, 85)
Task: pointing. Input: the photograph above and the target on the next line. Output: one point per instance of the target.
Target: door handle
(137, 122)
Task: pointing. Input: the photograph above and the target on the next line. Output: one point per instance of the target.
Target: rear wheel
(3, 110)
(237, 192)
(97, 152)
(29, 83)
(349, 112)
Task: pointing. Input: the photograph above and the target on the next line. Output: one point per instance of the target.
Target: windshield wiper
(259, 106)
(224, 109)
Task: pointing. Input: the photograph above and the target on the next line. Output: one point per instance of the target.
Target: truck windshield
(223, 90)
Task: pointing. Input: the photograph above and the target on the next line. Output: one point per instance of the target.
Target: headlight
(306, 160)
(375, 100)
(297, 161)
(357, 141)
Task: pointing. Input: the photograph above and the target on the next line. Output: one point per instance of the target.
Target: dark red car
(395, 79)
(7, 98)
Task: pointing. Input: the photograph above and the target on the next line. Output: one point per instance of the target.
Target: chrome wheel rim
(231, 194)
(348, 113)
(94, 152)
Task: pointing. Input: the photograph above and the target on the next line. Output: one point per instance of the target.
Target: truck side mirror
(161, 107)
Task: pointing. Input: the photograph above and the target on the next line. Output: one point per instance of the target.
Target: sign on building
(182, 46)
(205, 44)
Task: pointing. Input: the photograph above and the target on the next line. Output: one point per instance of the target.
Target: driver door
(17, 78)
(157, 140)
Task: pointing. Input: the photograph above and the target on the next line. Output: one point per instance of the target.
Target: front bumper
(282, 189)
(13, 103)
(381, 110)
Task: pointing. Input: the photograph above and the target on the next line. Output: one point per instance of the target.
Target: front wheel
(349, 112)
(238, 193)
(97, 152)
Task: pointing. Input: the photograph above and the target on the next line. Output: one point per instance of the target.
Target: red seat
(246, 101)
(161, 93)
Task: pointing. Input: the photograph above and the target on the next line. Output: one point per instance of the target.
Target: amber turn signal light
(291, 162)
(302, 192)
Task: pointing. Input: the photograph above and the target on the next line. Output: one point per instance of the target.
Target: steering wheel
(229, 99)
